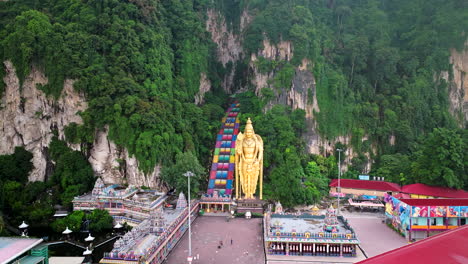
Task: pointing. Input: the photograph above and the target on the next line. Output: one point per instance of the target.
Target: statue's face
(249, 133)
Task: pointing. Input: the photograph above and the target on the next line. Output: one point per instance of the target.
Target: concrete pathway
(376, 237)
(208, 231)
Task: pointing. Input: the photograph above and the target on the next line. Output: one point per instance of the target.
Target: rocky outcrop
(282, 51)
(228, 44)
(229, 47)
(300, 95)
(458, 85)
(205, 86)
(115, 165)
(28, 117)
(259, 79)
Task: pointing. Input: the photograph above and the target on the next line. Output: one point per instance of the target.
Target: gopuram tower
(249, 163)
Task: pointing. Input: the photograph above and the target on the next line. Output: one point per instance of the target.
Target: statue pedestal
(252, 205)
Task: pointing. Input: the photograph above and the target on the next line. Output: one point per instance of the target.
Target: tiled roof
(423, 189)
(366, 185)
(13, 247)
(447, 247)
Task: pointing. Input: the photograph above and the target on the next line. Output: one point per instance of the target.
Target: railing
(311, 235)
(127, 219)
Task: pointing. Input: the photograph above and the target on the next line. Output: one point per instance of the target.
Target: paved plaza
(208, 231)
(375, 237)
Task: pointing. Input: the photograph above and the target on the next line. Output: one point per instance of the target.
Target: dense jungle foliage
(377, 64)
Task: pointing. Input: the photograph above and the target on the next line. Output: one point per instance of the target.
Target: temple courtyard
(247, 246)
(207, 234)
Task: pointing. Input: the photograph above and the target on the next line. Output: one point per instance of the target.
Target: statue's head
(249, 131)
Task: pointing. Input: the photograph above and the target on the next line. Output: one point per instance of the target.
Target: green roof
(31, 260)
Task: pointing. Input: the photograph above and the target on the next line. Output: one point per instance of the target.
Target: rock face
(205, 86)
(228, 45)
(115, 165)
(282, 51)
(301, 94)
(28, 116)
(458, 85)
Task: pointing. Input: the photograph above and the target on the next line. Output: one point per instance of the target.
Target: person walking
(231, 241)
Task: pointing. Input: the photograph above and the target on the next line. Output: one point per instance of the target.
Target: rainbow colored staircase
(222, 170)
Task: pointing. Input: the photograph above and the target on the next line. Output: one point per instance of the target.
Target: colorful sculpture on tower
(249, 162)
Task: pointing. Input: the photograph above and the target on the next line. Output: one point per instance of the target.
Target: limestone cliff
(300, 95)
(228, 44)
(205, 86)
(458, 85)
(28, 116)
(115, 165)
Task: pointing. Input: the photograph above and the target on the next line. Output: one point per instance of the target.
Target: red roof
(436, 202)
(447, 247)
(402, 196)
(423, 189)
(366, 185)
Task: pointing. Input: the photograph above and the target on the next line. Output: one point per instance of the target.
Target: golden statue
(249, 162)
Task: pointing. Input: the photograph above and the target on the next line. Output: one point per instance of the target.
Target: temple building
(420, 218)
(309, 236)
(156, 230)
(378, 189)
(151, 241)
(352, 187)
(422, 191)
(125, 204)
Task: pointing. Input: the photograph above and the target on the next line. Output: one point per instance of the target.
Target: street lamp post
(339, 177)
(189, 174)
(23, 229)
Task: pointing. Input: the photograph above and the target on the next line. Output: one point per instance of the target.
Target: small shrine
(331, 224)
(315, 210)
(98, 187)
(278, 208)
(181, 202)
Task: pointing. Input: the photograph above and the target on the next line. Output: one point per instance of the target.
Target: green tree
(16, 166)
(73, 173)
(100, 220)
(73, 221)
(440, 160)
(394, 167)
(174, 175)
(317, 184)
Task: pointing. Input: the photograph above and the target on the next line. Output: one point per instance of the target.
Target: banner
(463, 211)
(453, 211)
(438, 211)
(420, 211)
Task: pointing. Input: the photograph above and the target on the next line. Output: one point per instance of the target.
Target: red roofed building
(419, 190)
(364, 187)
(448, 247)
(421, 218)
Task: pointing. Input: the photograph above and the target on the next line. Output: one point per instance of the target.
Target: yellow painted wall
(420, 196)
(359, 191)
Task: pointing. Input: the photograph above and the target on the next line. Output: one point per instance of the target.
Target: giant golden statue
(249, 162)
